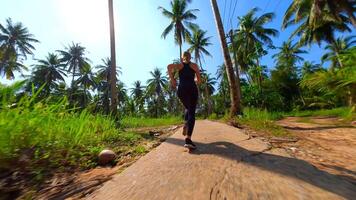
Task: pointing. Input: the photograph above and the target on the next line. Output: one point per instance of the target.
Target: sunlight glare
(87, 20)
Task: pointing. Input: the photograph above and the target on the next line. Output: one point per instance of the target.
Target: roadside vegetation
(60, 115)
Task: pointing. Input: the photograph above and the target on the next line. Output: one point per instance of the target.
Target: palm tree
(155, 88)
(257, 73)
(235, 100)
(48, 71)
(208, 86)
(198, 42)
(74, 58)
(114, 95)
(334, 49)
(15, 43)
(103, 83)
(251, 36)
(285, 76)
(121, 94)
(103, 96)
(105, 68)
(173, 105)
(309, 68)
(288, 55)
(315, 22)
(86, 80)
(180, 18)
(223, 87)
(340, 82)
(137, 93)
(137, 90)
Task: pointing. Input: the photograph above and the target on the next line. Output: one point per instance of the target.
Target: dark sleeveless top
(186, 75)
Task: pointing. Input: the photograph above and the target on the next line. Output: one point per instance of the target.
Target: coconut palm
(121, 94)
(334, 49)
(15, 44)
(137, 92)
(180, 18)
(336, 7)
(257, 73)
(103, 80)
(288, 54)
(173, 105)
(315, 22)
(223, 86)
(235, 107)
(105, 68)
(198, 43)
(86, 80)
(341, 82)
(285, 76)
(74, 58)
(48, 71)
(113, 88)
(207, 86)
(251, 36)
(103, 96)
(309, 68)
(155, 89)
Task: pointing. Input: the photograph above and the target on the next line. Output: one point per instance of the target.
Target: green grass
(263, 121)
(257, 114)
(135, 122)
(49, 137)
(346, 113)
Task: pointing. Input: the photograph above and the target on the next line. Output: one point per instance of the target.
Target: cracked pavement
(226, 165)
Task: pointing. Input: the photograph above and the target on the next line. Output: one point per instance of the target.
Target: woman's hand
(198, 81)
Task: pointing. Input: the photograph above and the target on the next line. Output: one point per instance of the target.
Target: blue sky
(139, 25)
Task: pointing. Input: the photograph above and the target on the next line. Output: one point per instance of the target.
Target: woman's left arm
(197, 73)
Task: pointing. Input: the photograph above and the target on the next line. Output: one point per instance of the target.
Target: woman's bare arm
(197, 72)
(170, 69)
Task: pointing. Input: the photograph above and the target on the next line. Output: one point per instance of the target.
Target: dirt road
(325, 142)
(227, 165)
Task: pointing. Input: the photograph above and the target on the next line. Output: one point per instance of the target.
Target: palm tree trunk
(234, 108)
(72, 86)
(114, 97)
(337, 53)
(180, 51)
(237, 75)
(85, 96)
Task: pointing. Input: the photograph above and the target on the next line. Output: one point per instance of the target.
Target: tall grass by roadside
(46, 135)
(262, 120)
(134, 122)
(347, 113)
(257, 114)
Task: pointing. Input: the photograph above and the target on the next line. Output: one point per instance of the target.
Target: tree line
(293, 83)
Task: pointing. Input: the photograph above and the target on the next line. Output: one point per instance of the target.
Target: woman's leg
(192, 104)
(184, 98)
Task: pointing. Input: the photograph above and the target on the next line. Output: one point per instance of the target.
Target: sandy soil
(327, 143)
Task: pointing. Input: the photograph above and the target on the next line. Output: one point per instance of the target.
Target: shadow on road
(287, 166)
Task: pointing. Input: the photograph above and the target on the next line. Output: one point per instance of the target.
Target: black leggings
(188, 95)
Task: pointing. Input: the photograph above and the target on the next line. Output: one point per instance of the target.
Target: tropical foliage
(293, 83)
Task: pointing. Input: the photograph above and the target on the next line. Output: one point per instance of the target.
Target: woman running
(187, 92)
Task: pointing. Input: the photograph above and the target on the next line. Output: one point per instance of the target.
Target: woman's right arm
(171, 68)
